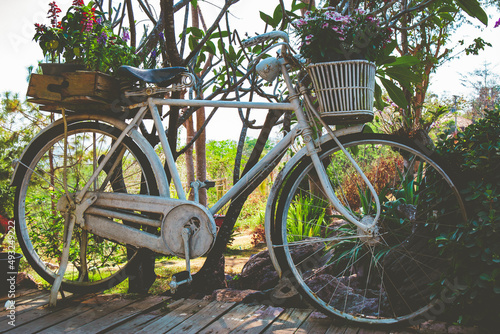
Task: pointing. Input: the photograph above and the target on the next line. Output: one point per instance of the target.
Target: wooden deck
(160, 314)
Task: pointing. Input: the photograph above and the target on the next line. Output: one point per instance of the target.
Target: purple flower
(126, 35)
(162, 37)
(99, 20)
(153, 54)
(102, 39)
(497, 24)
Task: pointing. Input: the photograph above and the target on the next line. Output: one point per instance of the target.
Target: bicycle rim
(390, 275)
(95, 263)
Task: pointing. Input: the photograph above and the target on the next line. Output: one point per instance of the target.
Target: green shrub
(475, 245)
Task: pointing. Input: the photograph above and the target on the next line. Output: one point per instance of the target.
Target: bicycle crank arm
(119, 217)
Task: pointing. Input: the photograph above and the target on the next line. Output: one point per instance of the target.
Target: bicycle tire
(40, 187)
(394, 275)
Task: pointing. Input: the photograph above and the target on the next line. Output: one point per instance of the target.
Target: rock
(259, 274)
(333, 291)
(456, 329)
(433, 327)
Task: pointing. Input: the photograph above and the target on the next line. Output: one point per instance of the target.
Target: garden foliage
(475, 245)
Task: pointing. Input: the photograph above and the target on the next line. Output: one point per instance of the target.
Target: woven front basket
(344, 90)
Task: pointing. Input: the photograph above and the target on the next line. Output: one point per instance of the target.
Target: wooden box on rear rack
(77, 91)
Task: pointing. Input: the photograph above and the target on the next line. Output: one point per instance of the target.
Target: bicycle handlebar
(264, 37)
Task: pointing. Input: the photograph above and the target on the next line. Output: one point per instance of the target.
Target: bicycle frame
(261, 168)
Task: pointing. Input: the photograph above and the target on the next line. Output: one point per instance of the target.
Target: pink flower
(325, 25)
(308, 39)
(299, 23)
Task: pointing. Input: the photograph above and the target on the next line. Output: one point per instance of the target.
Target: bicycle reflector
(268, 69)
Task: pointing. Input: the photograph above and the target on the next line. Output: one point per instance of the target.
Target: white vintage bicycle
(351, 220)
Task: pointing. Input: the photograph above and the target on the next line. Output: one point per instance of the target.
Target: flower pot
(9, 266)
(58, 68)
(344, 90)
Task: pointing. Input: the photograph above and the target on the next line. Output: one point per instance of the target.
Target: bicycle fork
(367, 225)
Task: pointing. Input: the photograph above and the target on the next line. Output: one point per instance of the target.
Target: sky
(18, 51)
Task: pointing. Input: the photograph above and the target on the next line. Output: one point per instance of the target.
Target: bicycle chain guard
(202, 228)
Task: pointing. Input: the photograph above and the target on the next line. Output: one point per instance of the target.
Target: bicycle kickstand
(68, 232)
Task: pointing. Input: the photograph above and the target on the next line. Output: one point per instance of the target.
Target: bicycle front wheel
(95, 263)
(389, 275)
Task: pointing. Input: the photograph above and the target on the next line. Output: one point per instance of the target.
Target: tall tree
(486, 96)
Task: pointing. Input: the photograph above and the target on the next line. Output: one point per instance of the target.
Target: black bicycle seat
(162, 76)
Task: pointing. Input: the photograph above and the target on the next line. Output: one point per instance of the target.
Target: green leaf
(297, 6)
(379, 103)
(402, 75)
(446, 16)
(395, 93)
(211, 47)
(277, 16)
(224, 33)
(447, 9)
(405, 61)
(473, 8)
(192, 42)
(196, 32)
(266, 18)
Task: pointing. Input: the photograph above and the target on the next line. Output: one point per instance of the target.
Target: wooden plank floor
(160, 314)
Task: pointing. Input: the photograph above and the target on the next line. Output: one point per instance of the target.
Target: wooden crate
(86, 85)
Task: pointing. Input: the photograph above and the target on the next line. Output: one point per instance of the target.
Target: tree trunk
(200, 144)
(211, 275)
(189, 155)
(201, 157)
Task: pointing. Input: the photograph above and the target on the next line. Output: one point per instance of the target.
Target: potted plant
(84, 37)
(81, 40)
(341, 50)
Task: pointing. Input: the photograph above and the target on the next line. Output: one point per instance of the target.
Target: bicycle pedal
(181, 276)
(179, 279)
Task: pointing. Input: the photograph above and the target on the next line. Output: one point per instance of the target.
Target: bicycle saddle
(162, 76)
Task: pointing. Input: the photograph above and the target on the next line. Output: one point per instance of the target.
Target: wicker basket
(344, 90)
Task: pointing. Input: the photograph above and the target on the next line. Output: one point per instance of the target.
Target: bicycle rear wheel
(389, 276)
(95, 263)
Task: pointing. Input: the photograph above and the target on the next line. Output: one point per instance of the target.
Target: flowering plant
(327, 35)
(83, 36)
